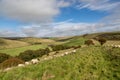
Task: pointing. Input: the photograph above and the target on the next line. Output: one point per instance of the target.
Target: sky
(58, 18)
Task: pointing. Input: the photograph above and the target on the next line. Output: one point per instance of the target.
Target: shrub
(27, 55)
(30, 54)
(4, 57)
(59, 47)
(11, 62)
(102, 40)
(89, 42)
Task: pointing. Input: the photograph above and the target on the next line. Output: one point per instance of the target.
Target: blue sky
(46, 18)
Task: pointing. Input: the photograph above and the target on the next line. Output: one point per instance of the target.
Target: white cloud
(34, 11)
(43, 11)
(11, 33)
(102, 5)
(58, 29)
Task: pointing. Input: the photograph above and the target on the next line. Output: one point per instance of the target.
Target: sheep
(66, 53)
(74, 51)
(34, 61)
(27, 63)
(62, 54)
(21, 65)
(7, 69)
(118, 46)
(50, 57)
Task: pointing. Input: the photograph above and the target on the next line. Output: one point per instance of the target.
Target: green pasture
(89, 63)
(16, 51)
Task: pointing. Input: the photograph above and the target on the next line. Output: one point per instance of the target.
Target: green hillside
(16, 51)
(7, 43)
(90, 63)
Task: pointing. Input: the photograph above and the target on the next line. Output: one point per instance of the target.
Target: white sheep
(34, 61)
(62, 54)
(118, 46)
(27, 63)
(7, 69)
(74, 51)
(66, 53)
(21, 65)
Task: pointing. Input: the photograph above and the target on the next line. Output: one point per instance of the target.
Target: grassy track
(87, 64)
(16, 51)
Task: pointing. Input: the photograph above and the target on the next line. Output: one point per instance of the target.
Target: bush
(11, 62)
(89, 42)
(27, 55)
(31, 54)
(59, 47)
(102, 40)
(4, 57)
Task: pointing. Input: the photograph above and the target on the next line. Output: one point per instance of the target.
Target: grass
(88, 63)
(16, 51)
(6, 43)
(75, 41)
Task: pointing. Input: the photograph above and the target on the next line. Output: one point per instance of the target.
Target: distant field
(16, 51)
(75, 41)
(37, 40)
(89, 63)
(6, 43)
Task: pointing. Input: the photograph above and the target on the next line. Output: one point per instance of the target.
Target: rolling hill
(7, 43)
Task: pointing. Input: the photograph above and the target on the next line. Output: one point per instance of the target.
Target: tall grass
(88, 63)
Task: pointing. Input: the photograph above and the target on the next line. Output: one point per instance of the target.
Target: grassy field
(6, 43)
(16, 51)
(75, 41)
(89, 63)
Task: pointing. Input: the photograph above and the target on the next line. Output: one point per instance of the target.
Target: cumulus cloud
(35, 11)
(43, 11)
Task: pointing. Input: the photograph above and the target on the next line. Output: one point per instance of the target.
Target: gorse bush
(102, 40)
(27, 55)
(89, 42)
(4, 57)
(30, 54)
(11, 62)
(59, 47)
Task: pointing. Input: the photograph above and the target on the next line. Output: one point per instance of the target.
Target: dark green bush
(27, 55)
(4, 57)
(31, 54)
(102, 40)
(11, 62)
(89, 42)
(59, 47)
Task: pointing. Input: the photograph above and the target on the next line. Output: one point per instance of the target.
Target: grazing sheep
(7, 69)
(118, 46)
(21, 65)
(66, 53)
(50, 57)
(45, 58)
(74, 51)
(62, 54)
(27, 63)
(34, 61)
